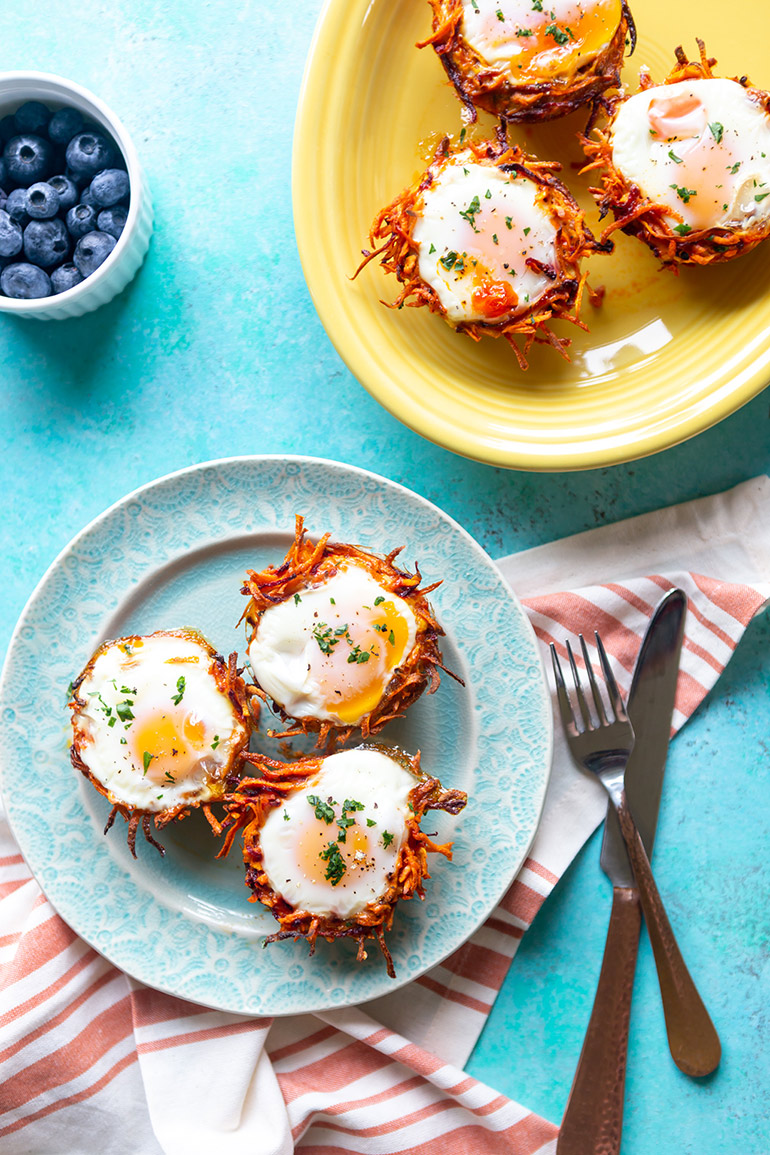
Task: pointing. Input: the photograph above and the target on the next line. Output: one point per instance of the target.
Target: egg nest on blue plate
(491, 240)
(339, 638)
(159, 726)
(331, 844)
(530, 60)
(685, 165)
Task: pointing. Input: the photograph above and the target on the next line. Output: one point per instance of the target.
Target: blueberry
(113, 220)
(16, 205)
(65, 277)
(46, 243)
(28, 159)
(65, 123)
(81, 220)
(89, 152)
(42, 201)
(87, 198)
(10, 236)
(7, 128)
(109, 186)
(32, 116)
(67, 190)
(24, 281)
(92, 250)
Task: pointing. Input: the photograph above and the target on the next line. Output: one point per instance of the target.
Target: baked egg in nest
(339, 638)
(331, 844)
(528, 60)
(490, 239)
(159, 726)
(685, 165)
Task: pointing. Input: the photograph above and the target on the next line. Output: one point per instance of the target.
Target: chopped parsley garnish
(351, 804)
(683, 230)
(324, 636)
(215, 742)
(180, 687)
(322, 809)
(370, 822)
(674, 157)
(488, 194)
(509, 222)
(527, 231)
(735, 167)
(452, 260)
(523, 31)
(470, 213)
(475, 5)
(432, 248)
(378, 601)
(494, 238)
(170, 778)
(358, 655)
(761, 196)
(387, 838)
(684, 194)
(392, 638)
(717, 130)
(537, 5)
(297, 599)
(336, 865)
(559, 34)
(147, 758)
(286, 816)
(124, 712)
(499, 14)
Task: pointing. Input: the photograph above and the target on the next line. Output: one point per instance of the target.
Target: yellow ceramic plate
(666, 356)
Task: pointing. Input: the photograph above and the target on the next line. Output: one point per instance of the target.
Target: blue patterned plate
(173, 554)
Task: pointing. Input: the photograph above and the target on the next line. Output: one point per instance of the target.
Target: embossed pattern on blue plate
(174, 553)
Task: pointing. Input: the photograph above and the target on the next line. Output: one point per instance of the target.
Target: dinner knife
(593, 1117)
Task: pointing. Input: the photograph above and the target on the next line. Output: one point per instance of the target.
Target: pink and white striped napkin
(90, 1057)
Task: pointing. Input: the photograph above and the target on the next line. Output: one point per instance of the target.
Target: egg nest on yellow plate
(491, 240)
(519, 62)
(686, 169)
(159, 726)
(332, 844)
(339, 638)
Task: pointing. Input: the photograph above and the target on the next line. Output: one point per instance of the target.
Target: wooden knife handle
(692, 1039)
(593, 1117)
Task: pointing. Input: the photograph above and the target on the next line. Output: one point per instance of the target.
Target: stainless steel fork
(603, 746)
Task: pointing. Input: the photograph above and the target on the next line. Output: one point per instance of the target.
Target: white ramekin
(124, 260)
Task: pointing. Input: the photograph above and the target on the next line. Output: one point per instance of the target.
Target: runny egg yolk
(313, 859)
(542, 39)
(168, 745)
(353, 688)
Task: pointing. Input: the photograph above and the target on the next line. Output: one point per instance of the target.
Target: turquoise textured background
(216, 350)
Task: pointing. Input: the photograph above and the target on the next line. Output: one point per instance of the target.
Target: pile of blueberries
(64, 195)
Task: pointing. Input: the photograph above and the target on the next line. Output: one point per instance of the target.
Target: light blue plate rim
(179, 931)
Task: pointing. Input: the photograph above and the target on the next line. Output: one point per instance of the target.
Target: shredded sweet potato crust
(229, 682)
(248, 806)
(309, 564)
(478, 84)
(391, 240)
(638, 216)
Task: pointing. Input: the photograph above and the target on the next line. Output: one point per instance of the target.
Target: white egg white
(294, 839)
(314, 652)
(129, 694)
(700, 147)
(552, 41)
(478, 225)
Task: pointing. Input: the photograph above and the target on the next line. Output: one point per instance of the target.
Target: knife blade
(593, 1118)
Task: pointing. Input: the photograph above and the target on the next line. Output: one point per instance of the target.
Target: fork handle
(692, 1039)
(593, 1117)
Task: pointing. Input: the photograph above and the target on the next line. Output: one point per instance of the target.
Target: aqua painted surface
(216, 350)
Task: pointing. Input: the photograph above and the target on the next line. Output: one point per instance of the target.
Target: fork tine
(612, 686)
(565, 707)
(598, 703)
(587, 723)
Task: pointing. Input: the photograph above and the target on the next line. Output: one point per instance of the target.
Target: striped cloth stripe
(85, 1051)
